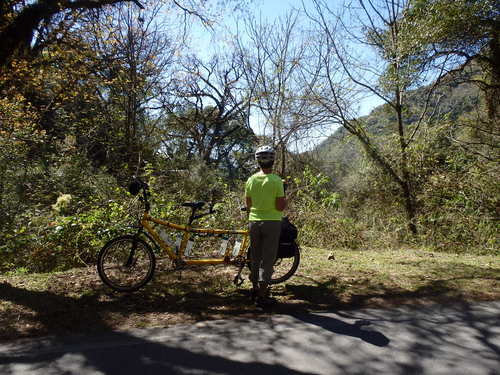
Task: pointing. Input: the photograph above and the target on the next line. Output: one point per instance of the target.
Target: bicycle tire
(284, 268)
(113, 267)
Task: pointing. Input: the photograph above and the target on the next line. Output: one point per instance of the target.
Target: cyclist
(265, 201)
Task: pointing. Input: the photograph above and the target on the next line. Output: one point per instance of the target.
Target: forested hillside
(93, 92)
(453, 101)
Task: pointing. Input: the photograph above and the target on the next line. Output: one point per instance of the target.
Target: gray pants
(264, 240)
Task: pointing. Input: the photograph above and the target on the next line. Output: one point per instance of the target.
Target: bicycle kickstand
(238, 280)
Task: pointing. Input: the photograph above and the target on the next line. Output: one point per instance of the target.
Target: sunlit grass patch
(385, 277)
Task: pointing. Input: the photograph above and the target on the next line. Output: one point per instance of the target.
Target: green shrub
(53, 239)
(316, 211)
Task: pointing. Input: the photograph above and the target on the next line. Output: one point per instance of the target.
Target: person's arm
(248, 199)
(248, 202)
(280, 202)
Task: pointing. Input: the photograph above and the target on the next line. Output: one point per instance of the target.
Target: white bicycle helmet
(264, 154)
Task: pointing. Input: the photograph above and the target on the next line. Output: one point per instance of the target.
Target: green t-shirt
(263, 189)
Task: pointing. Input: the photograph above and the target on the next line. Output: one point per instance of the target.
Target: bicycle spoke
(126, 263)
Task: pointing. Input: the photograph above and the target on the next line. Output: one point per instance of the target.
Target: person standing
(265, 201)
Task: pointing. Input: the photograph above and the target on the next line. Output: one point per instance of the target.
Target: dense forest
(93, 92)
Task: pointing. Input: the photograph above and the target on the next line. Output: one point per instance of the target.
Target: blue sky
(270, 9)
(274, 8)
(206, 42)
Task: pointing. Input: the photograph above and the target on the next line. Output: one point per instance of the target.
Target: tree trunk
(407, 186)
(406, 179)
(493, 92)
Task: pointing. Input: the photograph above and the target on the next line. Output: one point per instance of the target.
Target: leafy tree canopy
(457, 33)
(21, 22)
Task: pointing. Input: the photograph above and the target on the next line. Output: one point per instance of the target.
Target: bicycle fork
(130, 259)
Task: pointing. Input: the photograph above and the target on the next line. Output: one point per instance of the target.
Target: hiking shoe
(265, 301)
(255, 292)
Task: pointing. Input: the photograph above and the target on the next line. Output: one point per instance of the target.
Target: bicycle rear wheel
(284, 268)
(126, 263)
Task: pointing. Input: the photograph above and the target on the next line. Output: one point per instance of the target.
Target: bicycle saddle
(195, 205)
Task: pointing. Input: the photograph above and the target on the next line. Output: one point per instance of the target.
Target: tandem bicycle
(127, 262)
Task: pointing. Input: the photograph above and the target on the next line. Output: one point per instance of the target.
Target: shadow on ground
(161, 358)
(56, 314)
(124, 352)
(79, 302)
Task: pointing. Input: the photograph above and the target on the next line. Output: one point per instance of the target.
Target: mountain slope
(341, 152)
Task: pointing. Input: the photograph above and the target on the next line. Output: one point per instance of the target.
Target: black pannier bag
(287, 246)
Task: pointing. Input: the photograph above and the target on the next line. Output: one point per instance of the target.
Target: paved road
(463, 339)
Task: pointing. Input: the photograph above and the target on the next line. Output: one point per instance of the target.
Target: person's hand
(285, 184)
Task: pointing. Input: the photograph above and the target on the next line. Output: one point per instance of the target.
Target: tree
(274, 57)
(459, 32)
(208, 119)
(463, 36)
(197, 135)
(388, 69)
(135, 55)
(20, 22)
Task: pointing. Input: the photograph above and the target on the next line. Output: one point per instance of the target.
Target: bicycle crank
(238, 280)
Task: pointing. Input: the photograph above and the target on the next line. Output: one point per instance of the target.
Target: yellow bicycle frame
(147, 219)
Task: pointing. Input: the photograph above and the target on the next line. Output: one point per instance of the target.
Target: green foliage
(195, 137)
(463, 24)
(315, 189)
(48, 240)
(315, 209)
(458, 192)
(459, 32)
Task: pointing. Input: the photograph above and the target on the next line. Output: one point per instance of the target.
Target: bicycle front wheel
(126, 263)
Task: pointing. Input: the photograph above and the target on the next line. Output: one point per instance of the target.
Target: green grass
(388, 277)
(77, 301)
